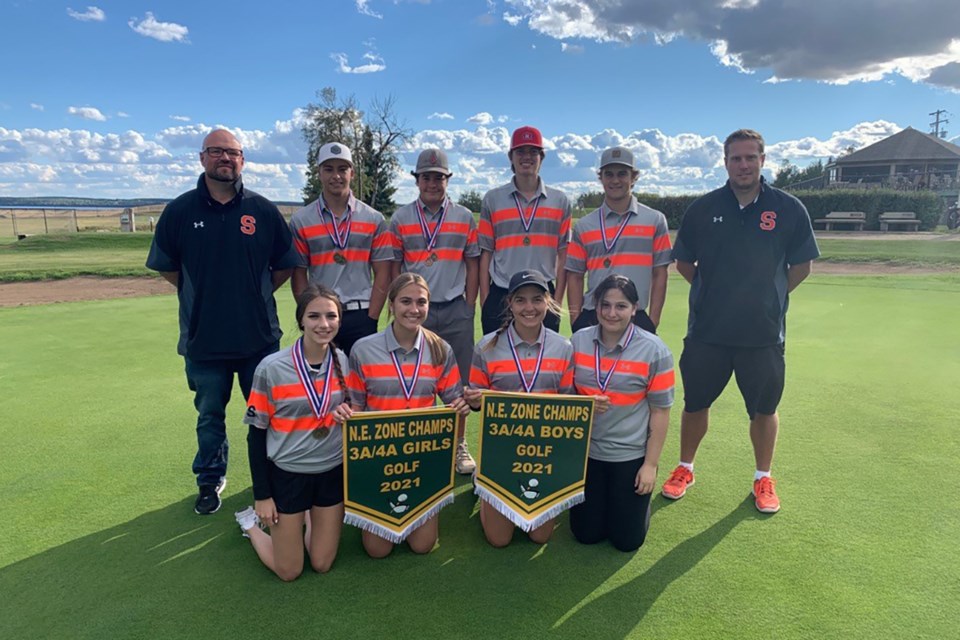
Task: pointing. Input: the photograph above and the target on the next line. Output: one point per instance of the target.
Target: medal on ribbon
(319, 402)
(516, 360)
(340, 235)
(430, 237)
(408, 388)
(526, 222)
(604, 380)
(608, 246)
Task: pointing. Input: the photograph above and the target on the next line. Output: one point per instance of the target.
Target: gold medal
(321, 432)
(339, 258)
(526, 241)
(434, 256)
(428, 262)
(607, 263)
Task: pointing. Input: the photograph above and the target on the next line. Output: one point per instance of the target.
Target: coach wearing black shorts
(743, 248)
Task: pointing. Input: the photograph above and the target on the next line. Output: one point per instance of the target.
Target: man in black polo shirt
(742, 248)
(226, 249)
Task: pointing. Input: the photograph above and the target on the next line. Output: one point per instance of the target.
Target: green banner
(533, 454)
(397, 469)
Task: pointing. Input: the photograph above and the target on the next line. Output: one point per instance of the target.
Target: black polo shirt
(225, 254)
(739, 293)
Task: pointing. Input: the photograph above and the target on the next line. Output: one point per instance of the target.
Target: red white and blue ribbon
(430, 238)
(533, 212)
(408, 389)
(319, 402)
(516, 360)
(603, 229)
(603, 381)
(341, 232)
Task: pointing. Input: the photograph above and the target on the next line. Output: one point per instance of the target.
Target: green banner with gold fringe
(397, 469)
(533, 454)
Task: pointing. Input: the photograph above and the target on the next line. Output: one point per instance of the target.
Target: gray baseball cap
(432, 160)
(617, 155)
(334, 151)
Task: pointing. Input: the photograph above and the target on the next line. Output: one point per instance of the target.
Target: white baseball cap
(334, 151)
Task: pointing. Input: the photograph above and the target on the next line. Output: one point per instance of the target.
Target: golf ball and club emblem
(401, 506)
(530, 491)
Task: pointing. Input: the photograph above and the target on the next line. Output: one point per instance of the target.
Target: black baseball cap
(525, 277)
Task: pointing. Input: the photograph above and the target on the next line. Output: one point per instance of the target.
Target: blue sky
(113, 99)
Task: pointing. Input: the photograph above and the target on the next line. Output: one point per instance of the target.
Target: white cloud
(571, 48)
(438, 115)
(364, 9)
(180, 118)
(90, 113)
(150, 27)
(482, 118)
(133, 164)
(123, 114)
(92, 14)
(374, 63)
(789, 40)
(36, 107)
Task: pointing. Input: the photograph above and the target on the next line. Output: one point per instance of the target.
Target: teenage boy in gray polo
(339, 240)
(622, 237)
(437, 238)
(524, 225)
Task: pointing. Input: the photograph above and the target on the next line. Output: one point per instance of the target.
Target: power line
(935, 125)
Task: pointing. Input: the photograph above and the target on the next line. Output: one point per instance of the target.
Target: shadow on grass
(170, 573)
(625, 606)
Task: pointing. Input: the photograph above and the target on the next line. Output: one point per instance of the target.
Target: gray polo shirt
(514, 248)
(494, 366)
(643, 244)
(643, 378)
(446, 275)
(313, 236)
(279, 404)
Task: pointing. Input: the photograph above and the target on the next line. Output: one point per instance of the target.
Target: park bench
(906, 219)
(856, 218)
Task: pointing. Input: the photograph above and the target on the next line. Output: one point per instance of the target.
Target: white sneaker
(465, 463)
(247, 519)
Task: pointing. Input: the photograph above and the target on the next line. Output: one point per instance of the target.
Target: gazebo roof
(908, 145)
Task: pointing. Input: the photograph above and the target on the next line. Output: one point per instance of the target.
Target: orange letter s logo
(768, 220)
(248, 225)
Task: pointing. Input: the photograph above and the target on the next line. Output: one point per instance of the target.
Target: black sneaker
(209, 499)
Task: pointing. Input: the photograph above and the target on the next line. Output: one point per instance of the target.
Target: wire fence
(20, 223)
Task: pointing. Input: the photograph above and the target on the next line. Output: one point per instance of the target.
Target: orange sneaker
(766, 496)
(676, 485)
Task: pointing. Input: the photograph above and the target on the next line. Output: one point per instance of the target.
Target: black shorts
(706, 368)
(297, 492)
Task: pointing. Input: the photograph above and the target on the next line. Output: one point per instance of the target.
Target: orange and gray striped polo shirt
(515, 248)
(495, 368)
(641, 377)
(349, 274)
(446, 274)
(644, 243)
(279, 404)
(375, 383)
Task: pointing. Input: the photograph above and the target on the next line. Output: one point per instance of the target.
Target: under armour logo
(715, 219)
(197, 225)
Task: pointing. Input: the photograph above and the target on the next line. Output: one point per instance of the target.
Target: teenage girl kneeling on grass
(295, 443)
(522, 355)
(405, 366)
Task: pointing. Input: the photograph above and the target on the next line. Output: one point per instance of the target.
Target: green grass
(101, 540)
(47, 257)
(50, 257)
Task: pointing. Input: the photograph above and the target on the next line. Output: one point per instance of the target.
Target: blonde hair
(438, 352)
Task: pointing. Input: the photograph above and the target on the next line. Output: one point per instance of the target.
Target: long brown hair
(308, 295)
(552, 307)
(438, 352)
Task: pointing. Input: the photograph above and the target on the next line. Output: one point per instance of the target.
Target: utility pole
(937, 122)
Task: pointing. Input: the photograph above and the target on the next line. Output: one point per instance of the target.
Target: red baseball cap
(526, 137)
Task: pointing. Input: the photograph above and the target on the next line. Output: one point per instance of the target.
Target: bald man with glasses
(226, 249)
